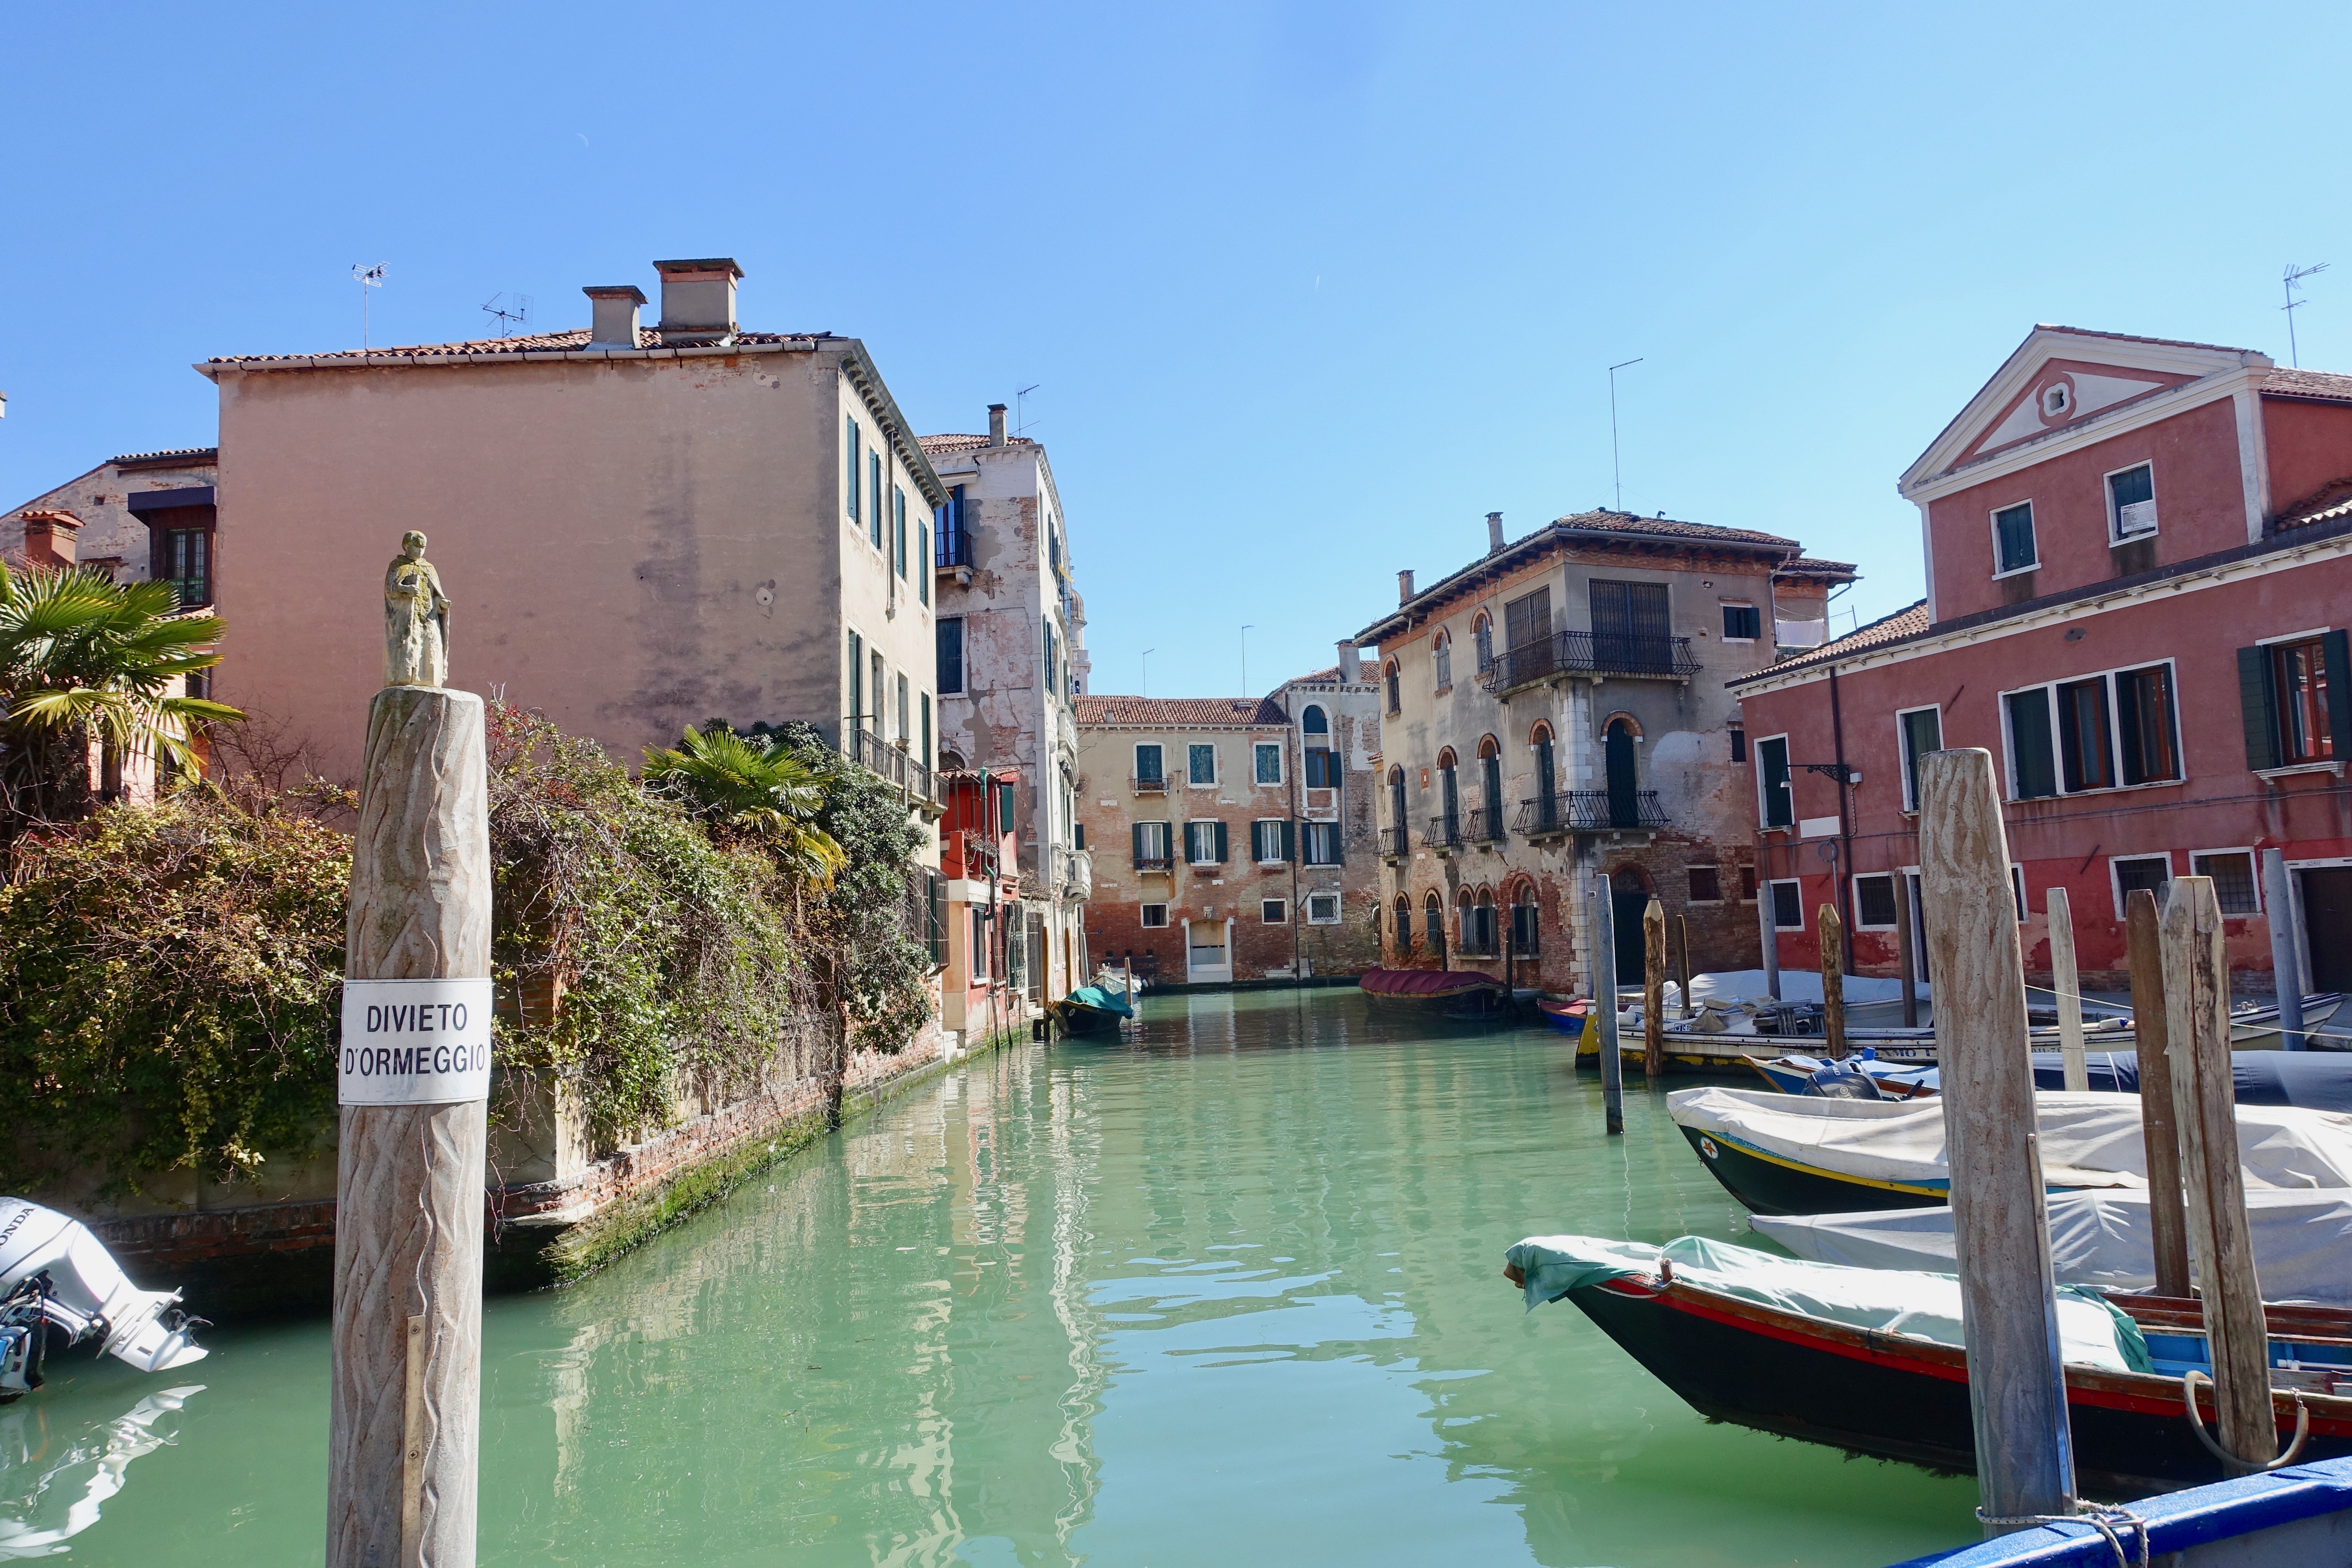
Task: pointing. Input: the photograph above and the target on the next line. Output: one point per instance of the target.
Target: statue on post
(415, 619)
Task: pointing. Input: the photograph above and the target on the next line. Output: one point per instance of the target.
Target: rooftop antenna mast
(369, 277)
(1245, 632)
(1020, 407)
(1147, 669)
(509, 318)
(1616, 472)
(2292, 284)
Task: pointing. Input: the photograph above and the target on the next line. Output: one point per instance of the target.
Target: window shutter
(1335, 839)
(1135, 831)
(2259, 703)
(1220, 826)
(1289, 839)
(2338, 646)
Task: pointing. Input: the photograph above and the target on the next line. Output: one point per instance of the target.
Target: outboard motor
(55, 1273)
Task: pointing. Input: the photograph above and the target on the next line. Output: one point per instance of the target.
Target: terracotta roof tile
(948, 445)
(498, 348)
(173, 457)
(2325, 504)
(1609, 521)
(1900, 627)
(2309, 384)
(1812, 565)
(1179, 712)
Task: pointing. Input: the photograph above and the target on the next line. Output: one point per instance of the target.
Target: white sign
(415, 1042)
(1818, 827)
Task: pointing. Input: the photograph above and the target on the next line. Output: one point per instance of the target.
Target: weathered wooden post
(2168, 1220)
(1768, 922)
(1905, 952)
(2066, 983)
(1833, 936)
(2196, 1026)
(1683, 964)
(414, 1082)
(1654, 991)
(2286, 965)
(2017, 1389)
(1604, 1004)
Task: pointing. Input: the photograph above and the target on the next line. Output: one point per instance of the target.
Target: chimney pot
(698, 301)
(613, 307)
(1348, 668)
(1404, 586)
(996, 425)
(49, 537)
(1493, 532)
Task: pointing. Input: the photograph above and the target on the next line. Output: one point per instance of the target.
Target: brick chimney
(1348, 668)
(1404, 586)
(614, 325)
(1494, 532)
(49, 537)
(996, 425)
(698, 300)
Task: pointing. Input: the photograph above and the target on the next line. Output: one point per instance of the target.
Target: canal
(1224, 1293)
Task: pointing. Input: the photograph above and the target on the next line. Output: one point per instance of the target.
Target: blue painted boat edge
(2176, 1520)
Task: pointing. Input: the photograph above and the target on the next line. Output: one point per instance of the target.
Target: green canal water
(1226, 1293)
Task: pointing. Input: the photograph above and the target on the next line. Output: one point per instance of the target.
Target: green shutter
(1338, 842)
(2258, 703)
(1220, 826)
(1290, 840)
(1135, 832)
(2028, 744)
(2338, 648)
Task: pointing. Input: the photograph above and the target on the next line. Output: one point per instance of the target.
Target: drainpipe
(1845, 824)
(1296, 914)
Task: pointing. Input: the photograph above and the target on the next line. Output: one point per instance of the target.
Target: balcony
(1138, 784)
(1444, 834)
(951, 550)
(195, 591)
(1393, 845)
(1162, 862)
(1487, 826)
(877, 756)
(1590, 811)
(1071, 874)
(1590, 653)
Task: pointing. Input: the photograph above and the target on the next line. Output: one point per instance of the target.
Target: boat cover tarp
(2087, 1140)
(1923, 1305)
(2302, 1241)
(1102, 1000)
(2317, 1080)
(1425, 982)
(1796, 985)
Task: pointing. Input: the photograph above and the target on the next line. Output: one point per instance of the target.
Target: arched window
(1441, 655)
(1526, 924)
(1622, 771)
(1483, 629)
(1433, 924)
(1403, 925)
(950, 761)
(1482, 920)
(1488, 826)
(1322, 761)
(1396, 805)
(1389, 675)
(1313, 722)
(1447, 827)
(1547, 805)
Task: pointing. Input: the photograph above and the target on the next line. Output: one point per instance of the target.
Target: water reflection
(51, 1491)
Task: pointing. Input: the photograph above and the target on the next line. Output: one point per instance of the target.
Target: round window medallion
(2057, 400)
(1706, 1147)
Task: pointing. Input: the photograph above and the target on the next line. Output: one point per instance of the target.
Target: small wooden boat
(1902, 1396)
(1568, 1017)
(1433, 992)
(1094, 1011)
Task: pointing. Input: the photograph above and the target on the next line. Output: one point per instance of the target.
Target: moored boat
(1092, 1011)
(1443, 993)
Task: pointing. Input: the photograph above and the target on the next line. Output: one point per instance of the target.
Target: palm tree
(82, 659)
(757, 789)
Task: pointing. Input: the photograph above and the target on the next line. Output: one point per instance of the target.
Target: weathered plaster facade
(1593, 651)
(1292, 890)
(1012, 660)
(110, 534)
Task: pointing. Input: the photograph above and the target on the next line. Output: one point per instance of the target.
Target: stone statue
(415, 619)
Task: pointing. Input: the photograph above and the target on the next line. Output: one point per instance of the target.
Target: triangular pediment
(2063, 378)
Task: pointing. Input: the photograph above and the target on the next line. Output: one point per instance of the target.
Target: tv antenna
(1147, 669)
(1020, 410)
(2292, 285)
(369, 277)
(1245, 632)
(509, 317)
(1616, 471)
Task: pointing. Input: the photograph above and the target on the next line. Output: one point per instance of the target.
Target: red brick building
(986, 980)
(2139, 559)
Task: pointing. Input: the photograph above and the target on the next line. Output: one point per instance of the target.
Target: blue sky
(1306, 291)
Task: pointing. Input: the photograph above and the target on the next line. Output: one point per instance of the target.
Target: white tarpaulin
(2087, 1140)
(2302, 1241)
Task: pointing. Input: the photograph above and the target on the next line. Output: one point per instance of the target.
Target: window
(906, 713)
(2234, 886)
(1739, 745)
(927, 728)
(1525, 922)
(1322, 843)
(923, 562)
(881, 678)
(857, 681)
(1269, 763)
(1706, 885)
(1322, 768)
(1146, 765)
(2131, 502)
(1527, 621)
(2133, 872)
(1433, 923)
(1789, 906)
(1204, 843)
(935, 918)
(1873, 902)
(2297, 697)
(2111, 729)
(1776, 801)
(1202, 764)
(977, 946)
(1004, 806)
(1389, 674)
(1441, 655)
(187, 561)
(1077, 835)
(1313, 722)
(874, 487)
(1270, 840)
(950, 643)
(2012, 537)
(849, 477)
(1478, 922)
(1273, 912)
(1155, 916)
(1748, 884)
(1483, 631)
(1150, 845)
(1741, 623)
(898, 525)
(1921, 730)
(1403, 924)
(1323, 908)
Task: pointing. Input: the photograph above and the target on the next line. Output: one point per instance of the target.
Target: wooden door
(2327, 924)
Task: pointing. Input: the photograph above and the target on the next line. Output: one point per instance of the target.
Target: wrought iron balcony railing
(1394, 843)
(1590, 811)
(1151, 862)
(952, 547)
(1590, 653)
(1136, 783)
(875, 756)
(1444, 833)
(1486, 826)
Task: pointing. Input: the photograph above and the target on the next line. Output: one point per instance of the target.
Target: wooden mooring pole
(2017, 1389)
(1831, 932)
(2168, 1220)
(405, 1404)
(1604, 1004)
(1683, 964)
(2196, 1026)
(1768, 922)
(2066, 983)
(1906, 950)
(1654, 991)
